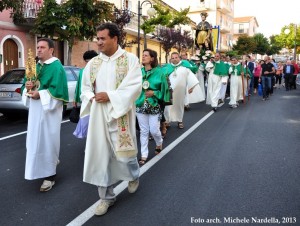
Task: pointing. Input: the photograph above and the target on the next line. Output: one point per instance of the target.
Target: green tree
(165, 17)
(122, 18)
(15, 6)
(287, 39)
(275, 46)
(232, 53)
(244, 45)
(72, 20)
(185, 41)
(9, 4)
(262, 44)
(168, 38)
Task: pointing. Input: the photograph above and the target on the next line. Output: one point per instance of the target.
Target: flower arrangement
(206, 55)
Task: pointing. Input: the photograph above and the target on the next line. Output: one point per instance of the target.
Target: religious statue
(203, 38)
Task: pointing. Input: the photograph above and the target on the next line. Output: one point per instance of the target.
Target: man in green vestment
(45, 102)
(194, 68)
(217, 76)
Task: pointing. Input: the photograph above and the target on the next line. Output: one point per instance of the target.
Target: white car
(10, 89)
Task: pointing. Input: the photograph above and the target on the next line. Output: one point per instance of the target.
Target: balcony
(225, 28)
(31, 8)
(132, 26)
(241, 31)
(201, 7)
(222, 7)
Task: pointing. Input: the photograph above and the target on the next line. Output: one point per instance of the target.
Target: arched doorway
(10, 55)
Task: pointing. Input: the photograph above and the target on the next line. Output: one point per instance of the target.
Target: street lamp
(151, 12)
(287, 31)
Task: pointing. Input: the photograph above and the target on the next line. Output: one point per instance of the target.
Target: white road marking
(89, 213)
(24, 132)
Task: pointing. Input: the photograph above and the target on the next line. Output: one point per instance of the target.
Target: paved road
(238, 164)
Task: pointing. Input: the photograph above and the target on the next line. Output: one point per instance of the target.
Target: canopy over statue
(203, 38)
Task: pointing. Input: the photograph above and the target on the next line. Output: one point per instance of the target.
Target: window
(241, 28)
(70, 75)
(128, 4)
(13, 77)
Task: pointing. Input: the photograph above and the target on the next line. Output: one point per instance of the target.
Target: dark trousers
(255, 84)
(266, 83)
(287, 81)
(251, 86)
(293, 82)
(278, 79)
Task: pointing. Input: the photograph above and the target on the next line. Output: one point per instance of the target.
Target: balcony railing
(133, 24)
(241, 31)
(201, 7)
(221, 6)
(31, 8)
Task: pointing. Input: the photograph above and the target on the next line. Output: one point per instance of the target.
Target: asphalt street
(238, 164)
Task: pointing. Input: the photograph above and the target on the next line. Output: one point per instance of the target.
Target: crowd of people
(117, 94)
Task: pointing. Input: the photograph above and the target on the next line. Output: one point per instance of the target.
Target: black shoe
(187, 108)
(214, 109)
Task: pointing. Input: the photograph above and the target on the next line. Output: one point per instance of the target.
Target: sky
(271, 15)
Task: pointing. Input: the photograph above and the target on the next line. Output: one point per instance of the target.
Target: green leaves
(165, 17)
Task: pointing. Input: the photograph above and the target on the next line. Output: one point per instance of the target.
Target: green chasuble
(52, 78)
(239, 69)
(169, 68)
(236, 69)
(220, 69)
(78, 87)
(157, 83)
(191, 65)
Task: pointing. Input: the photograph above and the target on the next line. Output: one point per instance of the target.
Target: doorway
(10, 55)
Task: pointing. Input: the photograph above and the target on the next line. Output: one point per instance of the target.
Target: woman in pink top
(257, 73)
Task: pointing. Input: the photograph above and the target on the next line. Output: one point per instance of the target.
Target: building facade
(15, 40)
(244, 26)
(220, 14)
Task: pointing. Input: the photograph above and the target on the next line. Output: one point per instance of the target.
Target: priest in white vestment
(236, 83)
(198, 94)
(111, 83)
(218, 75)
(45, 103)
(181, 78)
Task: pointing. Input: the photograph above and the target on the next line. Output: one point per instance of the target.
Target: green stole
(220, 69)
(236, 69)
(52, 78)
(170, 68)
(78, 87)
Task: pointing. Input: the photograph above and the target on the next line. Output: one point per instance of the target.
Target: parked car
(10, 89)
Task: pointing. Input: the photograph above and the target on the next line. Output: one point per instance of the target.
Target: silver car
(10, 89)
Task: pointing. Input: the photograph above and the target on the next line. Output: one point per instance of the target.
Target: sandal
(142, 161)
(158, 150)
(163, 130)
(180, 125)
